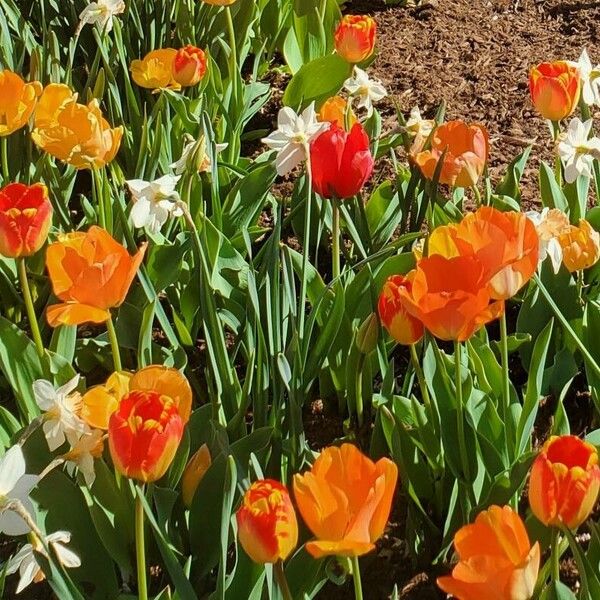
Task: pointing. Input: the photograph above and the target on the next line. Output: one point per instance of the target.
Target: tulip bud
(368, 334)
(402, 326)
(144, 434)
(355, 38)
(25, 218)
(334, 110)
(189, 66)
(267, 525)
(193, 474)
(554, 89)
(564, 482)
(580, 246)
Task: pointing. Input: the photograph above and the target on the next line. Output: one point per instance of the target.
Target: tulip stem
(335, 239)
(281, 579)
(505, 414)
(35, 329)
(140, 548)
(358, 594)
(555, 554)
(5, 172)
(420, 377)
(305, 244)
(114, 344)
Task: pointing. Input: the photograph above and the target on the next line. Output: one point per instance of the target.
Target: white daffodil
(102, 13)
(84, 450)
(15, 484)
(292, 137)
(366, 90)
(154, 201)
(550, 224)
(26, 563)
(590, 79)
(61, 409)
(194, 157)
(577, 150)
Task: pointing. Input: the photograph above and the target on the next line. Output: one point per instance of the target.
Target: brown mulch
(475, 55)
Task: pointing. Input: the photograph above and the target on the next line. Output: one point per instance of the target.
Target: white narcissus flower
(417, 126)
(194, 151)
(366, 90)
(101, 12)
(550, 224)
(84, 450)
(577, 150)
(154, 201)
(292, 137)
(15, 484)
(26, 563)
(590, 80)
(61, 408)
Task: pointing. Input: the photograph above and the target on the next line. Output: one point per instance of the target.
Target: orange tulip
(189, 66)
(506, 244)
(144, 434)
(25, 218)
(75, 133)
(219, 2)
(580, 246)
(91, 273)
(17, 101)
(101, 401)
(267, 525)
(345, 499)
(496, 559)
(193, 474)
(467, 149)
(334, 110)
(554, 89)
(450, 296)
(402, 326)
(355, 38)
(564, 482)
(155, 70)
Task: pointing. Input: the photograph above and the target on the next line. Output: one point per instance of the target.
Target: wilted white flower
(84, 450)
(550, 224)
(366, 90)
(292, 137)
(194, 156)
(577, 150)
(15, 484)
(590, 79)
(26, 563)
(154, 201)
(61, 409)
(101, 12)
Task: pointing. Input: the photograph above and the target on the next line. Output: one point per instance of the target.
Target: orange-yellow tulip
(466, 148)
(189, 66)
(554, 89)
(144, 434)
(564, 482)
(91, 273)
(25, 218)
(17, 101)
(101, 401)
(334, 110)
(345, 499)
(402, 326)
(580, 246)
(496, 559)
(355, 38)
(267, 525)
(506, 244)
(194, 473)
(155, 70)
(75, 133)
(450, 296)
(219, 2)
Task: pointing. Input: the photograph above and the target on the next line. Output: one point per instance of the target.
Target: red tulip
(341, 162)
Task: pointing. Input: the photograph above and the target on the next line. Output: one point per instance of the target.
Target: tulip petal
(74, 313)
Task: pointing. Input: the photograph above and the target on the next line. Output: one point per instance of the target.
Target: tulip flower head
(341, 162)
(466, 150)
(144, 434)
(402, 326)
(189, 66)
(580, 246)
(267, 525)
(25, 218)
(91, 273)
(336, 110)
(345, 499)
(193, 474)
(564, 482)
(101, 401)
(554, 89)
(355, 38)
(17, 101)
(496, 559)
(155, 70)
